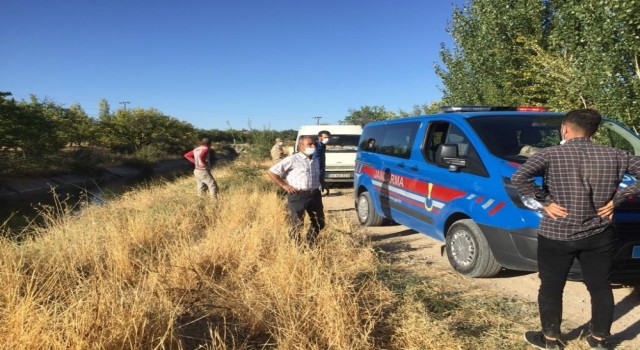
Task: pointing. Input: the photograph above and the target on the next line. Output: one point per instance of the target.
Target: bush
(261, 143)
(248, 174)
(86, 159)
(150, 153)
(13, 163)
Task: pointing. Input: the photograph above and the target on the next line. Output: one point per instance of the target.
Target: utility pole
(124, 103)
(317, 120)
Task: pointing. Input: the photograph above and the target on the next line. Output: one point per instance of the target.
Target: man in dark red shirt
(580, 191)
(200, 156)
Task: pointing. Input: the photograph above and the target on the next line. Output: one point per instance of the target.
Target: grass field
(161, 268)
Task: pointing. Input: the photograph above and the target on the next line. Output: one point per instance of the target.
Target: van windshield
(515, 138)
(340, 143)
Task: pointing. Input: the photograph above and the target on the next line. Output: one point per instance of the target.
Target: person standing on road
(301, 173)
(277, 153)
(578, 198)
(321, 147)
(200, 156)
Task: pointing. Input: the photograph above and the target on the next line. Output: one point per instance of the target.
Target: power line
(317, 120)
(124, 103)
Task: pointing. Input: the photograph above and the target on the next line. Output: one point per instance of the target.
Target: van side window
(394, 139)
(447, 133)
(457, 137)
(436, 136)
(608, 137)
(374, 133)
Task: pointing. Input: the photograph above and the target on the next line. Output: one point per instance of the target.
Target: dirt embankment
(18, 186)
(416, 249)
(13, 187)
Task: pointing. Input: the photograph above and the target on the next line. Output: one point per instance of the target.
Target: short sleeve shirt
(300, 171)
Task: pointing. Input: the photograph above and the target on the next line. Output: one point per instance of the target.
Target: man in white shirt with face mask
(299, 175)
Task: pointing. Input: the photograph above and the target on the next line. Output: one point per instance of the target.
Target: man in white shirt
(299, 175)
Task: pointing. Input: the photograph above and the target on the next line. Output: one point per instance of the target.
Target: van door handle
(414, 168)
(401, 165)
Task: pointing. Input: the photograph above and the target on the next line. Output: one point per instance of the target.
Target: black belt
(306, 191)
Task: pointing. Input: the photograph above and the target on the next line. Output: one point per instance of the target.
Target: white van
(341, 149)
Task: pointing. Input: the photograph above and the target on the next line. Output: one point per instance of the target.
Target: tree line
(38, 135)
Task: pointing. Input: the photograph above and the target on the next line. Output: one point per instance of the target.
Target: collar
(302, 156)
(578, 139)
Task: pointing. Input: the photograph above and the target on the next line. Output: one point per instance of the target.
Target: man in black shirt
(578, 197)
(321, 147)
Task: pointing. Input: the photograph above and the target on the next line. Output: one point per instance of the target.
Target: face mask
(325, 141)
(279, 143)
(309, 151)
(562, 135)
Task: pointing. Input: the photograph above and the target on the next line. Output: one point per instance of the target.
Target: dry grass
(161, 268)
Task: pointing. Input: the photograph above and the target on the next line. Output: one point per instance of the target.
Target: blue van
(448, 176)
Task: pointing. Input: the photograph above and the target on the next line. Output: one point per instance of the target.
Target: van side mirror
(447, 156)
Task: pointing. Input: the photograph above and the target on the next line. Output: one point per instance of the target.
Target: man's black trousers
(595, 254)
(311, 203)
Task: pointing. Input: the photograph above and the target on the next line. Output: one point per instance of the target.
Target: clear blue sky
(218, 64)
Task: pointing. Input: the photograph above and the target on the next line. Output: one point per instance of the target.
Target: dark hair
(323, 132)
(371, 139)
(587, 120)
(205, 142)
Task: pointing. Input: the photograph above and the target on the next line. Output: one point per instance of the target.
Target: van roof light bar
(532, 109)
(452, 109)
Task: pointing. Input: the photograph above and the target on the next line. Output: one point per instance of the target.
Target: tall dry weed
(160, 268)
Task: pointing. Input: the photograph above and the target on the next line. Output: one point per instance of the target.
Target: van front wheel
(367, 212)
(468, 251)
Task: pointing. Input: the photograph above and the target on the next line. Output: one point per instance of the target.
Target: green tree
(40, 127)
(128, 131)
(78, 128)
(425, 109)
(32, 128)
(287, 135)
(564, 54)
(104, 108)
(599, 44)
(367, 114)
(261, 142)
(11, 120)
(216, 135)
(489, 62)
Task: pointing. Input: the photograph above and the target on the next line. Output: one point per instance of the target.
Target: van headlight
(521, 201)
(532, 203)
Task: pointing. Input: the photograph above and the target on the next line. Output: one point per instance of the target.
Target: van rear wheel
(468, 251)
(367, 212)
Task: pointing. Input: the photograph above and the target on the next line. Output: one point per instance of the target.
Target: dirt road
(407, 244)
